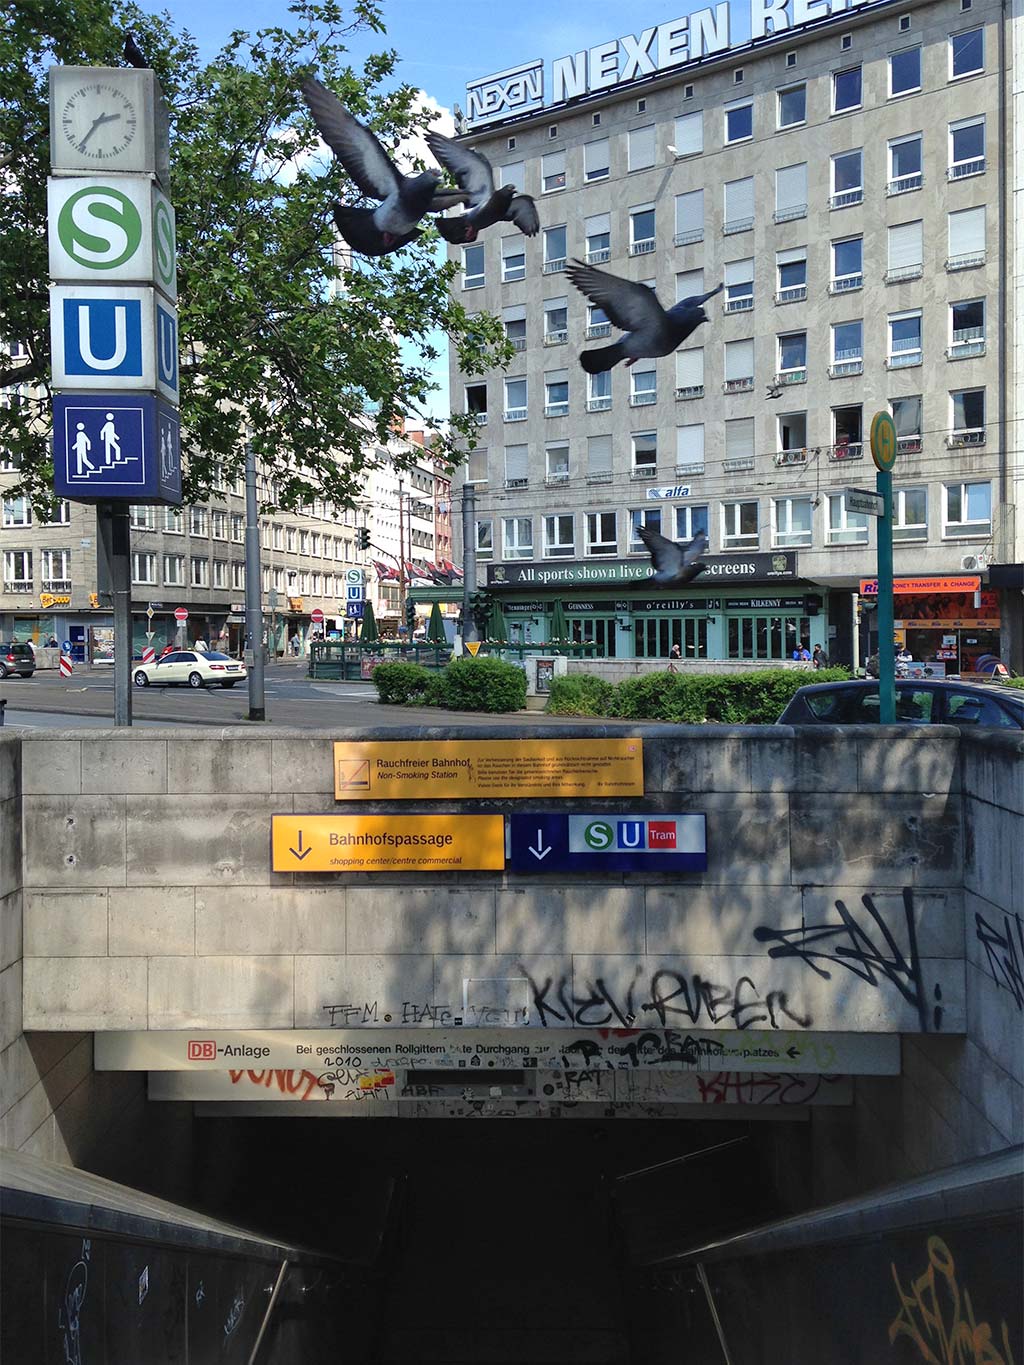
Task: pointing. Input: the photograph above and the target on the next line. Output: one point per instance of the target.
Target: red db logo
(202, 1050)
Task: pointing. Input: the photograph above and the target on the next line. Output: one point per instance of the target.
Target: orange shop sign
(965, 583)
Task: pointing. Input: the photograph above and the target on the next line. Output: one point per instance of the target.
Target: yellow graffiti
(938, 1317)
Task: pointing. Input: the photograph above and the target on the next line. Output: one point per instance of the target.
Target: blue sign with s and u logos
(600, 842)
(114, 337)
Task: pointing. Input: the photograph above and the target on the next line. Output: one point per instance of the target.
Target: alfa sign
(106, 337)
(607, 842)
(111, 230)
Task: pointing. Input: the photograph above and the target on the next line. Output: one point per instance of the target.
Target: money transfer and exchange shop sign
(399, 771)
(387, 843)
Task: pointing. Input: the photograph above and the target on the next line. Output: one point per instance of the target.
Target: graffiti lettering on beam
(872, 955)
(1005, 953)
(937, 1315)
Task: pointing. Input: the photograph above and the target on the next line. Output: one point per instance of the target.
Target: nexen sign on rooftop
(704, 33)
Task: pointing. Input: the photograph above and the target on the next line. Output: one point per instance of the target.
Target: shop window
(765, 637)
(669, 637)
(967, 509)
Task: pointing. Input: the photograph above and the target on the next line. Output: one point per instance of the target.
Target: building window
(514, 321)
(238, 575)
(554, 249)
(476, 402)
(740, 525)
(143, 568)
(200, 569)
(688, 135)
(966, 328)
(792, 439)
(553, 172)
(966, 53)
(556, 321)
(643, 384)
(640, 144)
(599, 459)
(968, 417)
(515, 400)
(56, 570)
(847, 432)
(689, 283)
(197, 522)
(17, 512)
(687, 92)
(791, 522)
(846, 90)
(598, 234)
(595, 120)
(642, 516)
(517, 466)
(219, 527)
(739, 366)
(556, 393)
(142, 518)
(690, 448)
(291, 536)
(966, 148)
(904, 339)
(59, 514)
(689, 218)
(559, 537)
(517, 538)
(966, 238)
(790, 192)
(792, 361)
(641, 230)
(174, 571)
(485, 540)
(904, 71)
(18, 571)
(237, 528)
(690, 373)
(904, 23)
(846, 42)
(596, 160)
(845, 527)
(597, 322)
(847, 348)
(553, 130)
(792, 105)
(847, 179)
(739, 121)
(691, 520)
(602, 533)
(906, 251)
(791, 275)
(599, 391)
(513, 259)
(220, 573)
(966, 510)
(738, 215)
(473, 266)
(739, 445)
(906, 416)
(739, 286)
(645, 453)
(511, 144)
(513, 173)
(904, 164)
(910, 514)
(737, 76)
(556, 456)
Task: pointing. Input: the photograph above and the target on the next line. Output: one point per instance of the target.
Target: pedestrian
(296, 644)
(819, 658)
(675, 652)
(801, 652)
(200, 646)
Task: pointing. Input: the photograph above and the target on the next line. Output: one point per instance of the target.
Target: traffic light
(480, 608)
(362, 538)
(410, 614)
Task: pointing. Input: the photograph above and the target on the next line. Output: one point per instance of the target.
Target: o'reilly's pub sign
(661, 48)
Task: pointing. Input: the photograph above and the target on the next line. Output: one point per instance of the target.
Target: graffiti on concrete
(871, 953)
(419, 1012)
(69, 1310)
(1004, 949)
(937, 1315)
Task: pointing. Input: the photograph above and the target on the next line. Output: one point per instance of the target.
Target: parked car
(17, 659)
(192, 667)
(918, 702)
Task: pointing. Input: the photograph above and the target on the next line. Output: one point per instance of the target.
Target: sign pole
(253, 591)
(469, 630)
(113, 539)
(883, 452)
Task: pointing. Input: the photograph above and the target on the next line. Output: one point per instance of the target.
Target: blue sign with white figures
(600, 842)
(108, 447)
(354, 610)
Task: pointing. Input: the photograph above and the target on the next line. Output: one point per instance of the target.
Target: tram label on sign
(395, 770)
(607, 842)
(387, 843)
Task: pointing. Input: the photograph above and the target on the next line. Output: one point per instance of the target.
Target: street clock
(109, 119)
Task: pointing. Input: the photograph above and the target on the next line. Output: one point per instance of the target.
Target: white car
(192, 667)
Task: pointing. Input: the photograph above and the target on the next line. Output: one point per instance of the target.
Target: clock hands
(103, 118)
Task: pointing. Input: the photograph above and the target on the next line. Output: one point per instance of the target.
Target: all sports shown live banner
(321, 1050)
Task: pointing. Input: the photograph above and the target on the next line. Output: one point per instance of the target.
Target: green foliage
(483, 684)
(687, 698)
(402, 684)
(282, 341)
(1013, 682)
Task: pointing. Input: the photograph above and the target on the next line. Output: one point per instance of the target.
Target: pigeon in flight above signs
(674, 564)
(650, 329)
(487, 204)
(405, 200)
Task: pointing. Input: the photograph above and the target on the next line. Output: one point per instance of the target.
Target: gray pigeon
(474, 174)
(633, 308)
(405, 200)
(674, 564)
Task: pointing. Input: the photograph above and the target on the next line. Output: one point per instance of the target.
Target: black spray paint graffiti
(69, 1312)
(1005, 953)
(847, 944)
(668, 994)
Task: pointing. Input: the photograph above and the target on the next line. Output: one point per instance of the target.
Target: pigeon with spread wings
(405, 199)
(674, 564)
(650, 329)
(487, 204)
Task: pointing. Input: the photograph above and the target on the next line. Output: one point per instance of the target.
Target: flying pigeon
(650, 329)
(487, 204)
(674, 564)
(133, 54)
(405, 200)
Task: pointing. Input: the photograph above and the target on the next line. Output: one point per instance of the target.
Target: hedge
(486, 684)
(687, 698)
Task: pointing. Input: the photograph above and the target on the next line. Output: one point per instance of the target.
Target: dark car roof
(983, 689)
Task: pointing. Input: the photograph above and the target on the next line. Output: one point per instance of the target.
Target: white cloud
(440, 121)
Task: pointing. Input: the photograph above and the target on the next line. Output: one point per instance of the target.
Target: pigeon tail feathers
(602, 357)
(363, 235)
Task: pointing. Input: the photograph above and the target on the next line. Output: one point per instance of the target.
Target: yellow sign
(439, 770)
(49, 599)
(474, 647)
(883, 441)
(387, 843)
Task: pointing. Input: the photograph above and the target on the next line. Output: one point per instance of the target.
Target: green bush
(579, 695)
(403, 684)
(1013, 682)
(482, 685)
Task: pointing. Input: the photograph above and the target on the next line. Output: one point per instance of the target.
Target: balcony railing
(740, 305)
(903, 184)
(736, 225)
(846, 198)
(515, 414)
(789, 215)
(966, 260)
(17, 585)
(599, 256)
(846, 366)
(56, 585)
(555, 265)
(736, 464)
(557, 477)
(846, 450)
(909, 445)
(556, 409)
(903, 358)
(791, 457)
(683, 471)
(599, 404)
(598, 329)
(904, 272)
(480, 418)
(792, 293)
(688, 391)
(966, 436)
(842, 284)
(960, 170)
(644, 471)
(518, 343)
(642, 248)
(791, 377)
(689, 237)
(517, 483)
(558, 338)
(601, 476)
(642, 398)
(743, 385)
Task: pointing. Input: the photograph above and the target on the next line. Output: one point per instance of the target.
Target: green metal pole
(886, 650)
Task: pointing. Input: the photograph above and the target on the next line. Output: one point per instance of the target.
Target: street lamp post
(253, 591)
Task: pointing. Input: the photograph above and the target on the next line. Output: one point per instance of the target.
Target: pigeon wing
(632, 307)
(523, 212)
(697, 299)
(697, 547)
(667, 556)
(355, 146)
(471, 170)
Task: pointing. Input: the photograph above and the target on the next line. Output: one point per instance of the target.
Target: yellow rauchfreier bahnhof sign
(440, 770)
(387, 843)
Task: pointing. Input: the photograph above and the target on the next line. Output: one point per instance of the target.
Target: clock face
(99, 120)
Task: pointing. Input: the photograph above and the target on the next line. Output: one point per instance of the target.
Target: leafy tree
(284, 340)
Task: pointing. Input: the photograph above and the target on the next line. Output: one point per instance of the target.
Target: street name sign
(387, 843)
(116, 445)
(397, 770)
(459, 1044)
(605, 842)
(865, 501)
